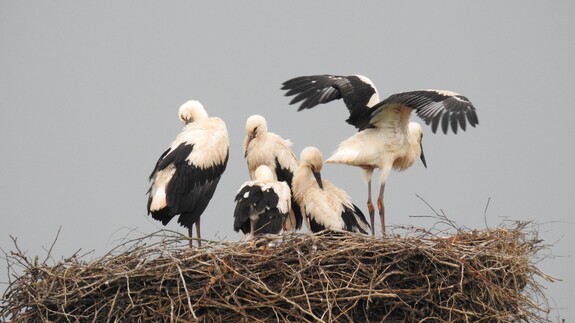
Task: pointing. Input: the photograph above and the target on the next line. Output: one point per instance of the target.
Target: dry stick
(128, 287)
(187, 293)
(485, 212)
(113, 304)
(49, 253)
(442, 216)
(326, 294)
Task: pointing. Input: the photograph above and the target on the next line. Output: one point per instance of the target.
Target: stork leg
(370, 209)
(381, 208)
(252, 229)
(367, 173)
(190, 235)
(198, 233)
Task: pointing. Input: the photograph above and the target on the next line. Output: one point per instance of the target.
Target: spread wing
(434, 107)
(356, 91)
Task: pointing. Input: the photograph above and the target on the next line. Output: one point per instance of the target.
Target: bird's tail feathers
(157, 199)
(345, 156)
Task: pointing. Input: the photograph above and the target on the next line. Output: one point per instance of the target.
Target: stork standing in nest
(262, 147)
(324, 205)
(385, 138)
(186, 175)
(262, 205)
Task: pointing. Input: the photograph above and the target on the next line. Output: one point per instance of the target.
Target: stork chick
(262, 204)
(187, 173)
(324, 205)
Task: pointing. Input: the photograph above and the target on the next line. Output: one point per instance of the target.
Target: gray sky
(89, 94)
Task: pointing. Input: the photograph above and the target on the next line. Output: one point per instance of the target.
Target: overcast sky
(89, 95)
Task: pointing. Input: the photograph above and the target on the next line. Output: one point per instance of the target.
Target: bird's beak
(317, 176)
(251, 137)
(422, 156)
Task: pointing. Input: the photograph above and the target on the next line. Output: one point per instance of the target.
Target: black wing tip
(454, 114)
(303, 90)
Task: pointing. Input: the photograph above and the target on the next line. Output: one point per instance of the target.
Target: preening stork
(324, 205)
(385, 139)
(267, 148)
(262, 204)
(186, 175)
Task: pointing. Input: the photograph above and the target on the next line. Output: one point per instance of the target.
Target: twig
(485, 212)
(49, 253)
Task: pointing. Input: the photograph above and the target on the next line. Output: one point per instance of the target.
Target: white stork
(186, 175)
(267, 148)
(385, 139)
(262, 204)
(324, 205)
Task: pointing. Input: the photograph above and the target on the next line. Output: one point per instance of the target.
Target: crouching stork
(324, 205)
(186, 175)
(262, 205)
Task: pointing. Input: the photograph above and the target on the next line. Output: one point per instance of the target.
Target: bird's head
(312, 158)
(255, 125)
(191, 111)
(416, 137)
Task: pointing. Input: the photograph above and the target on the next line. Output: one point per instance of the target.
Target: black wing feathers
(190, 188)
(283, 174)
(252, 199)
(157, 167)
(314, 225)
(270, 222)
(286, 175)
(312, 90)
(350, 219)
(435, 107)
(318, 89)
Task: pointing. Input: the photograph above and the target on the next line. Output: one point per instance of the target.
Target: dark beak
(317, 176)
(422, 156)
(250, 138)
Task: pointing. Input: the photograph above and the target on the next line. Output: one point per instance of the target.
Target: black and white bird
(267, 148)
(385, 138)
(262, 205)
(186, 175)
(324, 205)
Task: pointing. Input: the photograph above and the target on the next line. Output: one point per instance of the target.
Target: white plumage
(262, 147)
(324, 205)
(385, 139)
(186, 175)
(262, 204)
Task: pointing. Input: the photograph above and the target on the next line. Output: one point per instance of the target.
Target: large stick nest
(487, 276)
